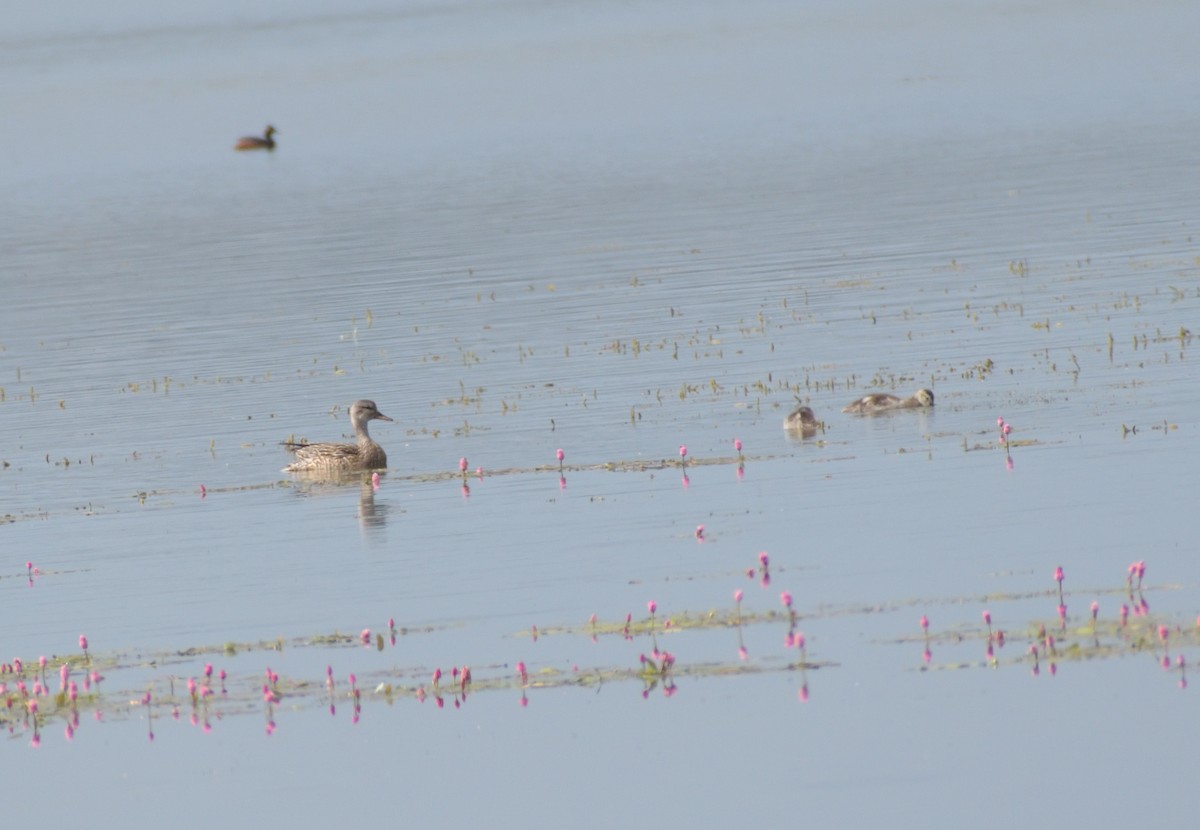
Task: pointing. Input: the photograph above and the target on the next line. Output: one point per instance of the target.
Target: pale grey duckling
(880, 402)
(337, 458)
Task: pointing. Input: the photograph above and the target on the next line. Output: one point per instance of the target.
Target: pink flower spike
(987, 618)
(462, 465)
(1000, 422)
(800, 640)
(786, 598)
(652, 606)
(924, 623)
(559, 455)
(1007, 429)
(1163, 633)
(700, 532)
(737, 597)
(1058, 574)
(365, 636)
(737, 444)
(682, 451)
(763, 559)
(83, 643)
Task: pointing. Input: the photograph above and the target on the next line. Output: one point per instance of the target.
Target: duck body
(880, 402)
(343, 458)
(253, 142)
(801, 418)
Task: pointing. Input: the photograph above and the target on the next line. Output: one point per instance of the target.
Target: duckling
(879, 402)
(338, 458)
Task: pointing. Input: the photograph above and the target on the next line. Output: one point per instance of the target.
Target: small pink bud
(462, 464)
(924, 623)
(987, 618)
(737, 444)
(737, 597)
(652, 606)
(1058, 574)
(786, 598)
(763, 559)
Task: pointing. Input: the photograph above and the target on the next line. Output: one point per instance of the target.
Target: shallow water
(519, 228)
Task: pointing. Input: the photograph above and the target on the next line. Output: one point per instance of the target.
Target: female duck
(343, 458)
(253, 142)
(879, 402)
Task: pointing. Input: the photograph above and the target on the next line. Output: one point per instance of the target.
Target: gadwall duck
(879, 402)
(335, 458)
(253, 142)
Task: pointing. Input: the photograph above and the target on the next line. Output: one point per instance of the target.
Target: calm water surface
(523, 227)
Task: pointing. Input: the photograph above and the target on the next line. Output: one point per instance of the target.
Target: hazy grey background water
(614, 230)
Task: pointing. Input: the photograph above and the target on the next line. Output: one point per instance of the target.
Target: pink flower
(800, 639)
(1163, 633)
(699, 531)
(763, 559)
(365, 636)
(682, 451)
(786, 599)
(987, 618)
(1095, 610)
(83, 643)
(462, 464)
(737, 444)
(652, 606)
(1058, 575)
(924, 623)
(737, 597)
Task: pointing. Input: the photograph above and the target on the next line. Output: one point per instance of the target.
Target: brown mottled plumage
(343, 458)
